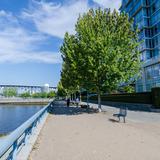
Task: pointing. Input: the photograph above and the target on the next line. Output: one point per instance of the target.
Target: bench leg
(124, 120)
(119, 119)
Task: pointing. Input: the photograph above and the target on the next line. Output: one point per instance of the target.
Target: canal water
(12, 116)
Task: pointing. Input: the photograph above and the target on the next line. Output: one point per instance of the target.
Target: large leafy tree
(61, 91)
(51, 94)
(69, 75)
(103, 53)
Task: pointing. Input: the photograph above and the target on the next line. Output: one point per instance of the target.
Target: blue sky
(31, 33)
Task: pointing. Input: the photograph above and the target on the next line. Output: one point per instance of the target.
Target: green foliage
(43, 95)
(10, 92)
(69, 75)
(36, 95)
(61, 92)
(51, 94)
(25, 95)
(2, 135)
(102, 54)
(128, 89)
(39, 95)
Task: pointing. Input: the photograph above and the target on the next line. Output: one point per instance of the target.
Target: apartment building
(146, 15)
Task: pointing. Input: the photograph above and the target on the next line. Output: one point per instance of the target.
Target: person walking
(77, 101)
(68, 102)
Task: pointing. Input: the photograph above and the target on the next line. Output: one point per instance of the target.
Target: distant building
(146, 14)
(45, 88)
(25, 88)
(1, 90)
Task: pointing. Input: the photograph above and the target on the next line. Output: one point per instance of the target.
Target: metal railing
(14, 142)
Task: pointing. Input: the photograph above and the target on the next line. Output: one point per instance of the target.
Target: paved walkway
(76, 134)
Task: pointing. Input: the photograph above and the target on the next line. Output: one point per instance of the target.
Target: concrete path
(135, 116)
(76, 134)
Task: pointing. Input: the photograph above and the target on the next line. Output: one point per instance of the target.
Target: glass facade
(146, 15)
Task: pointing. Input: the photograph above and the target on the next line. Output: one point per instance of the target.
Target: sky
(31, 33)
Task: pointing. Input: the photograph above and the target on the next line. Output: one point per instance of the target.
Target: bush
(25, 95)
(44, 95)
(39, 95)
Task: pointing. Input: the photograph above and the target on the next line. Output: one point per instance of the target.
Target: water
(12, 117)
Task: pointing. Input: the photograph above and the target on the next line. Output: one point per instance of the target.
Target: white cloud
(19, 45)
(113, 4)
(56, 19)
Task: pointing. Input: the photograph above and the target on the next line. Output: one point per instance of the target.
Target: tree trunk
(87, 99)
(80, 97)
(99, 101)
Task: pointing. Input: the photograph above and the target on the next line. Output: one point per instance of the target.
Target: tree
(69, 75)
(10, 92)
(103, 53)
(128, 89)
(61, 92)
(51, 94)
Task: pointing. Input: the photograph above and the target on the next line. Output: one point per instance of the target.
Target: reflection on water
(12, 117)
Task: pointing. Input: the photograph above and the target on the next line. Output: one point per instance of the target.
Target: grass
(2, 135)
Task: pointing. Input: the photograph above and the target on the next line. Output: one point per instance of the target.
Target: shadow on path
(113, 120)
(60, 108)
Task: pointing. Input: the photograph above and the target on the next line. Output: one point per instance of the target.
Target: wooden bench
(122, 113)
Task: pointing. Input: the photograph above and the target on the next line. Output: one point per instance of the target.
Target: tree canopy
(102, 54)
(61, 91)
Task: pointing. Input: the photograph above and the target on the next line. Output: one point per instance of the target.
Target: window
(148, 73)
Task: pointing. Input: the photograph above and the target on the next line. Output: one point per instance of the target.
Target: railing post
(26, 136)
(87, 99)
(15, 149)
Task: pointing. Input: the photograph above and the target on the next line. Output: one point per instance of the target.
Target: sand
(82, 136)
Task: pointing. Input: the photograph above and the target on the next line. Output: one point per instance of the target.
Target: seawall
(25, 101)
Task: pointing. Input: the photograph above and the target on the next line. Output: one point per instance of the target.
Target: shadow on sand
(113, 120)
(60, 108)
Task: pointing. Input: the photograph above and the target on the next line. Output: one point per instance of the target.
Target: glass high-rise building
(146, 15)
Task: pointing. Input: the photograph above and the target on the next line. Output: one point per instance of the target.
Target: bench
(72, 102)
(84, 106)
(122, 113)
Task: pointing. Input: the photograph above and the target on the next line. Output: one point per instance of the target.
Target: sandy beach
(78, 135)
